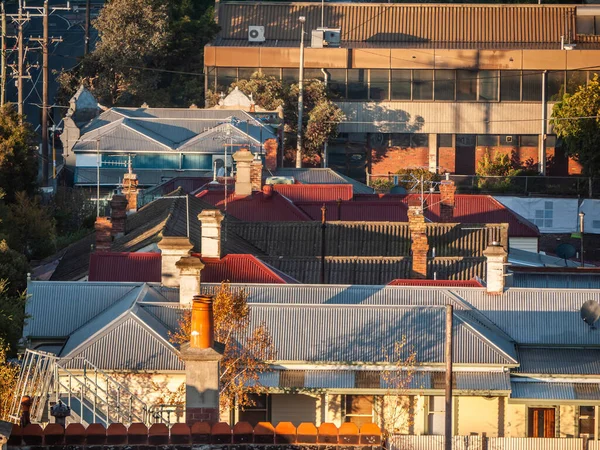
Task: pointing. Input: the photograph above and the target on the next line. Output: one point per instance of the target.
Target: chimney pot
(172, 249)
(243, 180)
(256, 173)
(267, 190)
(202, 327)
(103, 227)
(211, 233)
(496, 257)
(190, 268)
(447, 200)
(118, 215)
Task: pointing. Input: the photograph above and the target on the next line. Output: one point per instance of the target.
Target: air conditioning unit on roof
(256, 33)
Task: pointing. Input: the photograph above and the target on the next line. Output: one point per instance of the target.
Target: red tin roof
(259, 207)
(315, 192)
(134, 267)
(146, 267)
(439, 283)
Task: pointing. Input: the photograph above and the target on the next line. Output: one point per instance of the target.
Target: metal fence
(585, 187)
(405, 442)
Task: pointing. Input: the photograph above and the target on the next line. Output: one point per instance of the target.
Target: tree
(246, 350)
(12, 318)
(266, 91)
(9, 375)
(576, 119)
(13, 269)
(18, 157)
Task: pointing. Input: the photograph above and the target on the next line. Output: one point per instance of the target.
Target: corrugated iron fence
(400, 442)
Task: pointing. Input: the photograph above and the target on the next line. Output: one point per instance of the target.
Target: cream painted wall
(477, 415)
(516, 423)
(566, 425)
(334, 409)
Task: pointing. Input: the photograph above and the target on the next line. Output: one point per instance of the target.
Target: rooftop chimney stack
(418, 236)
(211, 232)
(496, 257)
(243, 183)
(130, 190)
(202, 356)
(173, 249)
(256, 173)
(189, 279)
(118, 215)
(447, 200)
(103, 227)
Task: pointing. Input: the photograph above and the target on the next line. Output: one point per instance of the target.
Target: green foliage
(575, 120)
(18, 161)
(381, 185)
(13, 269)
(12, 317)
(503, 168)
(322, 125)
(416, 174)
(72, 211)
(267, 91)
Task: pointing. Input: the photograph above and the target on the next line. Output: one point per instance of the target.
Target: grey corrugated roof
(519, 257)
(113, 176)
(323, 176)
(559, 361)
(539, 390)
(555, 280)
(57, 308)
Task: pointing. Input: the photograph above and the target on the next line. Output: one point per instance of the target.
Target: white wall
(524, 243)
(86, 160)
(591, 208)
(551, 215)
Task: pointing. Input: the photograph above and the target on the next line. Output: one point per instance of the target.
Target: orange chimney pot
(203, 327)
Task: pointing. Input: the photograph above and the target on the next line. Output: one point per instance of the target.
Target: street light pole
(581, 231)
(302, 20)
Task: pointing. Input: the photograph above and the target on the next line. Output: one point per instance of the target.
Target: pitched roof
(315, 192)
(323, 176)
(441, 283)
(241, 269)
(258, 206)
(559, 361)
(109, 266)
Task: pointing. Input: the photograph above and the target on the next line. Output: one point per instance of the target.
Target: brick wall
(446, 159)
(392, 159)
(271, 148)
(521, 154)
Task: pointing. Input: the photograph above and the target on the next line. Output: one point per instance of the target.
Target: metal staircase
(92, 395)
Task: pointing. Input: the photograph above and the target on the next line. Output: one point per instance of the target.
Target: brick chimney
(172, 249)
(189, 278)
(243, 161)
(210, 244)
(418, 236)
(202, 356)
(496, 268)
(256, 173)
(130, 191)
(103, 227)
(447, 200)
(118, 215)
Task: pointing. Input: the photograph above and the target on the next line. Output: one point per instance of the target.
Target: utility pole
(45, 154)
(3, 56)
(86, 48)
(448, 351)
(20, 62)
(302, 20)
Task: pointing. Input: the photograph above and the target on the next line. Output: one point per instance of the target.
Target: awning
(549, 390)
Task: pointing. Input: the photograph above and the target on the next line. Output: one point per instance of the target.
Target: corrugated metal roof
(323, 176)
(315, 192)
(440, 283)
(57, 308)
(392, 23)
(555, 391)
(238, 269)
(555, 280)
(558, 361)
(112, 176)
(137, 267)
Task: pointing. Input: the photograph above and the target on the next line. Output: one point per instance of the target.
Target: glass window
(529, 140)
(226, 76)
(487, 140)
(211, 75)
(587, 422)
(510, 85)
(584, 24)
(422, 84)
(245, 73)
(508, 140)
(575, 79)
(272, 72)
(290, 76)
(359, 409)
(258, 412)
(436, 417)
(380, 85)
(466, 85)
(445, 140)
(591, 75)
(337, 82)
(419, 140)
(357, 84)
(401, 83)
(488, 85)
(532, 86)
(400, 140)
(555, 85)
(313, 74)
(551, 141)
(444, 84)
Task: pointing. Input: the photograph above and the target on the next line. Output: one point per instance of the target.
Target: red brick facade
(271, 148)
(193, 415)
(118, 214)
(447, 202)
(103, 228)
(447, 160)
(418, 236)
(392, 159)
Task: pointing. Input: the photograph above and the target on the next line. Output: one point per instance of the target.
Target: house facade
(434, 86)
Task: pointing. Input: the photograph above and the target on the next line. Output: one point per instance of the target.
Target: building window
(226, 76)
(587, 422)
(401, 84)
(510, 85)
(357, 84)
(445, 140)
(532, 86)
(556, 86)
(271, 72)
(541, 422)
(543, 217)
(466, 85)
(444, 84)
(379, 87)
(290, 76)
(589, 25)
(488, 85)
(313, 74)
(436, 415)
(259, 411)
(245, 73)
(529, 140)
(211, 75)
(422, 84)
(508, 140)
(575, 79)
(337, 82)
(487, 140)
(359, 409)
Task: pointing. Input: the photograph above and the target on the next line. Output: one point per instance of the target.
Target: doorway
(542, 422)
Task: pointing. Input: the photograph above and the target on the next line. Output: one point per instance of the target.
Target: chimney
(418, 236)
(202, 356)
(103, 228)
(172, 250)
(447, 199)
(267, 190)
(243, 161)
(189, 278)
(118, 215)
(496, 257)
(256, 173)
(130, 191)
(210, 244)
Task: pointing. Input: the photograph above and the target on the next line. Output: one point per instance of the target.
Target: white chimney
(496, 268)
(172, 249)
(189, 278)
(243, 179)
(211, 232)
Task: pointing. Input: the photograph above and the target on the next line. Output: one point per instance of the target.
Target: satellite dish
(565, 251)
(398, 190)
(590, 312)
